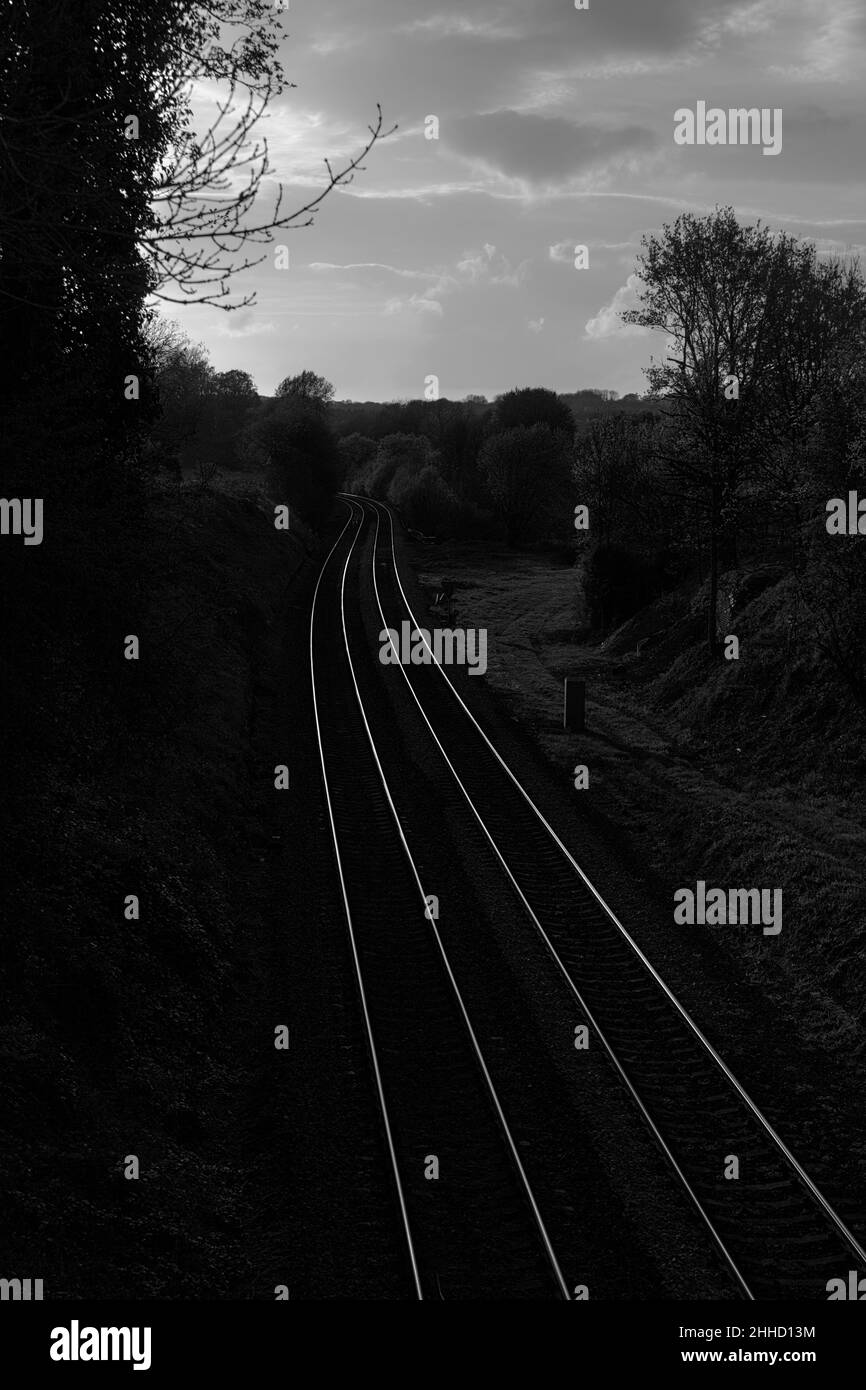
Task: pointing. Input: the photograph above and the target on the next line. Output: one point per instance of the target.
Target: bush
(424, 499)
(395, 453)
(356, 451)
(617, 583)
(427, 503)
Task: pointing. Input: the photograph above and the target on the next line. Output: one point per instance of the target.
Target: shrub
(617, 583)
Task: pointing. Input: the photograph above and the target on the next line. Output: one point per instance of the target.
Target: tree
(231, 397)
(74, 197)
(612, 460)
(528, 474)
(531, 405)
(184, 388)
(235, 385)
(290, 439)
(815, 392)
(424, 499)
(831, 587)
(108, 196)
(720, 291)
(307, 386)
(200, 239)
(396, 453)
(356, 451)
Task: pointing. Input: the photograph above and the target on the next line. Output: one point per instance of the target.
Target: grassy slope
(135, 1037)
(746, 774)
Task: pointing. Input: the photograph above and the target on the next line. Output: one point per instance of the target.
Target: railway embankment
(748, 772)
(141, 963)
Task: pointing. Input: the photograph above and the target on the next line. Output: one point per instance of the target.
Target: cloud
(422, 192)
(415, 304)
(544, 149)
(372, 265)
(830, 51)
(446, 26)
(487, 266)
(476, 269)
(535, 325)
(838, 250)
(244, 325)
(564, 251)
(607, 322)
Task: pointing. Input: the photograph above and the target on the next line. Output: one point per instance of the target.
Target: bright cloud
(607, 322)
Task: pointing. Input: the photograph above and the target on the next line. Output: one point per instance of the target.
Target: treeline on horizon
(309, 443)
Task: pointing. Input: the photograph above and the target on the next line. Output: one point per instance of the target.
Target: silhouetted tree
(720, 292)
(528, 474)
(307, 386)
(531, 405)
(184, 386)
(292, 440)
(613, 462)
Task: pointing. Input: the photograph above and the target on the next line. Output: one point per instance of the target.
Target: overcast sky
(455, 256)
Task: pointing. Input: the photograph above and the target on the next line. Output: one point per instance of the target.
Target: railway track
(773, 1228)
(470, 1224)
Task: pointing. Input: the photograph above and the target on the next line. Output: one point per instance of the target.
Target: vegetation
(139, 801)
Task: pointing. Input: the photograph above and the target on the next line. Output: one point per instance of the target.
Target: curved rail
(457, 994)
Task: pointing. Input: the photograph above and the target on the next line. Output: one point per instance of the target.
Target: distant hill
(377, 418)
